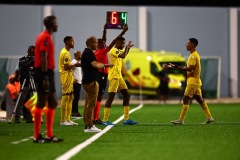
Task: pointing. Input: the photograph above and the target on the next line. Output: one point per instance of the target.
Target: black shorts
(39, 80)
(102, 82)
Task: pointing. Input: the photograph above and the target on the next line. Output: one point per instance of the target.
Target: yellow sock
(106, 114)
(126, 112)
(63, 107)
(184, 111)
(206, 109)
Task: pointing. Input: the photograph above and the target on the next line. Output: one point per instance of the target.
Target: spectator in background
(101, 55)
(162, 90)
(12, 92)
(77, 84)
(67, 79)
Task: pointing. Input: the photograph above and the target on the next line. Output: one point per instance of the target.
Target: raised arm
(126, 50)
(125, 28)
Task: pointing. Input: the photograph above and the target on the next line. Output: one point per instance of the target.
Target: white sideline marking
(22, 140)
(80, 146)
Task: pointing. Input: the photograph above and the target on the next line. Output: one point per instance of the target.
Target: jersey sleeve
(114, 52)
(44, 45)
(66, 58)
(192, 60)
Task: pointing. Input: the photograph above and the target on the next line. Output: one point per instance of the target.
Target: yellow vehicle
(140, 69)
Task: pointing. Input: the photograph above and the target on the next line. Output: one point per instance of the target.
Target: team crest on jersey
(66, 59)
(46, 43)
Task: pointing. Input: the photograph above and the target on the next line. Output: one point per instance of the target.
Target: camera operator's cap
(11, 76)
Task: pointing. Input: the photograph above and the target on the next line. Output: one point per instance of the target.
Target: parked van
(140, 69)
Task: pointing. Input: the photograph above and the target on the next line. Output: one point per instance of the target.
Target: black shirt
(90, 73)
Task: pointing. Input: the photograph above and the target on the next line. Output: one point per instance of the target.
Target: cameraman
(24, 70)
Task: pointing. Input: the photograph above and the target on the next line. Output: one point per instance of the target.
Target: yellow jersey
(194, 76)
(116, 70)
(64, 58)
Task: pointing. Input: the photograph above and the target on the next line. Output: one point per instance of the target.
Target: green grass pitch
(153, 138)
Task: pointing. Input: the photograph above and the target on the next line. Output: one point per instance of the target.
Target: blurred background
(151, 28)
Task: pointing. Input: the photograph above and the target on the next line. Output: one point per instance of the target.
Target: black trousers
(77, 91)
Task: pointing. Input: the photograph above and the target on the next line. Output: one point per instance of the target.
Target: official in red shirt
(44, 77)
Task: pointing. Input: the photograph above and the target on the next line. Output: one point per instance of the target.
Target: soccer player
(44, 77)
(101, 55)
(116, 81)
(194, 83)
(67, 79)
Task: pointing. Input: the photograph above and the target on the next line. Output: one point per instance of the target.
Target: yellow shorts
(67, 83)
(116, 84)
(192, 90)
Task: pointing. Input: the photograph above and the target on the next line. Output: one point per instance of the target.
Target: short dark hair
(100, 40)
(48, 21)
(120, 39)
(31, 47)
(67, 38)
(194, 41)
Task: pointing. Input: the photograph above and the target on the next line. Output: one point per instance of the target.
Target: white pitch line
(22, 140)
(81, 146)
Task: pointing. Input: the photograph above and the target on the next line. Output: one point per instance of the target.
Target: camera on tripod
(26, 65)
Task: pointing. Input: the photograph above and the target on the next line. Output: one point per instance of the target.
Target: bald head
(77, 55)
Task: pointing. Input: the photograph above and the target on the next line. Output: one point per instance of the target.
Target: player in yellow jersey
(116, 81)
(194, 83)
(67, 79)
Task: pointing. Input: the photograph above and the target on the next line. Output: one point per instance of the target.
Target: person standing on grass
(194, 83)
(44, 77)
(163, 87)
(77, 84)
(67, 79)
(90, 68)
(101, 55)
(116, 81)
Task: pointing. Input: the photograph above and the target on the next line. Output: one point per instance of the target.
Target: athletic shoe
(129, 122)
(92, 129)
(209, 120)
(40, 139)
(98, 121)
(66, 123)
(107, 123)
(177, 121)
(74, 123)
(76, 115)
(53, 139)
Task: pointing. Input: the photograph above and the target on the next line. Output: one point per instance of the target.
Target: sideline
(30, 138)
(81, 146)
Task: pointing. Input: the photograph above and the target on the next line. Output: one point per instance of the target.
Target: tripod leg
(16, 105)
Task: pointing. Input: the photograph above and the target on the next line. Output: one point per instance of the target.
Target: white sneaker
(92, 129)
(177, 121)
(74, 123)
(209, 120)
(66, 123)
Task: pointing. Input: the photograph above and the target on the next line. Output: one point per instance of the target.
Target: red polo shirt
(44, 43)
(102, 57)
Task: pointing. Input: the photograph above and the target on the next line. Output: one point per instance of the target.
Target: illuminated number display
(116, 20)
